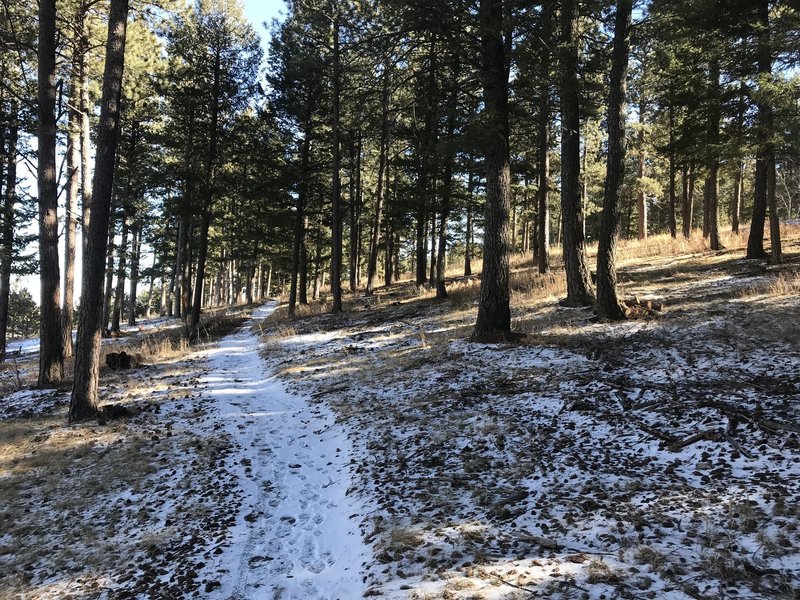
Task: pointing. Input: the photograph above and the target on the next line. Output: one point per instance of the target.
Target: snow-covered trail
(296, 534)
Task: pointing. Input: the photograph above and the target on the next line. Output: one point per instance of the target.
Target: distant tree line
(379, 138)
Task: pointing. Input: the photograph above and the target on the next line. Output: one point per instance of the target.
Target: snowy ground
(647, 459)
(380, 454)
(218, 483)
(30, 346)
(297, 533)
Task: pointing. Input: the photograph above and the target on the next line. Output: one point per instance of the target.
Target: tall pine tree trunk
(712, 182)
(468, 233)
(164, 303)
(336, 192)
(579, 290)
(302, 295)
(372, 263)
(180, 243)
(425, 177)
(85, 109)
(673, 225)
(119, 294)
(774, 223)
(300, 222)
(358, 210)
(83, 403)
(109, 285)
(447, 182)
(432, 270)
(355, 165)
(494, 311)
(765, 151)
(608, 306)
(736, 200)
(209, 180)
(186, 273)
(7, 231)
(641, 200)
(543, 141)
(687, 205)
(73, 186)
(136, 248)
(317, 284)
(51, 347)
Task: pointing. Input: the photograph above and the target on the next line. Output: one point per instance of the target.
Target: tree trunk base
(496, 337)
(757, 255)
(576, 302)
(612, 312)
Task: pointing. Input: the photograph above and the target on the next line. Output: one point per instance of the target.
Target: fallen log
(708, 434)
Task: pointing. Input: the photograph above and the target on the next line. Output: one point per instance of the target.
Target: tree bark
(302, 295)
(372, 263)
(186, 272)
(765, 152)
(355, 166)
(388, 270)
(712, 182)
(425, 177)
(7, 232)
(774, 223)
(119, 294)
(175, 309)
(148, 311)
(85, 109)
(109, 284)
(51, 348)
(673, 225)
(136, 247)
(209, 180)
(336, 200)
(579, 289)
(688, 200)
(641, 201)
(494, 311)
(317, 285)
(608, 305)
(165, 299)
(70, 220)
(432, 271)
(299, 224)
(468, 234)
(513, 229)
(736, 201)
(543, 140)
(358, 224)
(543, 212)
(447, 182)
(83, 403)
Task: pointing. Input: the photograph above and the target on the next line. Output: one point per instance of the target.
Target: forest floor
(653, 458)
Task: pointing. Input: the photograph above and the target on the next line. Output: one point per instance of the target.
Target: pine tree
(51, 349)
(579, 287)
(494, 312)
(608, 306)
(83, 403)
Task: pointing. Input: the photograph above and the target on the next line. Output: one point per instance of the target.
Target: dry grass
(16, 374)
(67, 470)
(82, 503)
(785, 284)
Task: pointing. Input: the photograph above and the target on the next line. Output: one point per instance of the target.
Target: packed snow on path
(297, 532)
